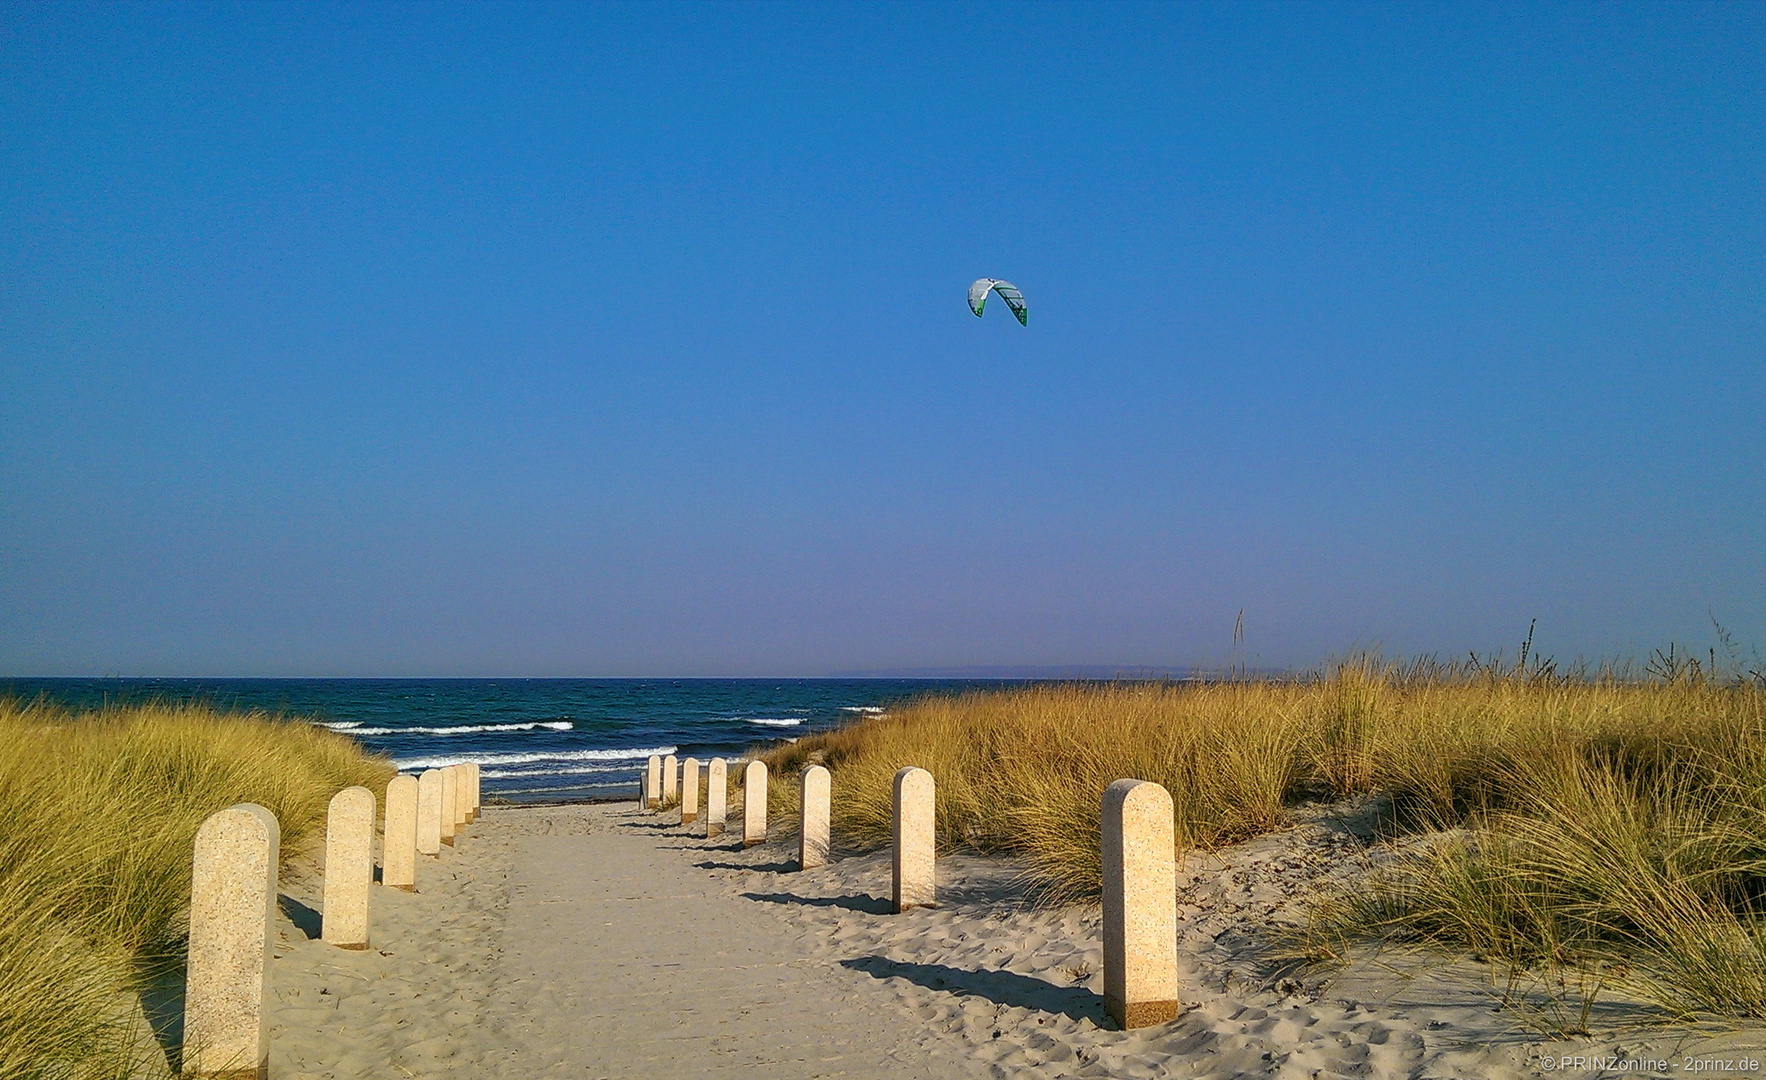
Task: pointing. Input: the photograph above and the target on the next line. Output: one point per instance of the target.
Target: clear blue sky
(618, 340)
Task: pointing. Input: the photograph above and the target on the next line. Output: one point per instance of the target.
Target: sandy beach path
(585, 941)
(625, 958)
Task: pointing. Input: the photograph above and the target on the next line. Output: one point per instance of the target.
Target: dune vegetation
(102, 810)
(1594, 822)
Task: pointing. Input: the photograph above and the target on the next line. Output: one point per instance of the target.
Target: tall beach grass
(101, 813)
(1595, 820)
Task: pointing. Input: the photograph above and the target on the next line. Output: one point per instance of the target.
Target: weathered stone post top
(232, 925)
(349, 868)
(671, 778)
(654, 775)
(1140, 903)
(915, 855)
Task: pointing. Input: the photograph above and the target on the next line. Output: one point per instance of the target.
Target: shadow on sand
(162, 1001)
(304, 918)
(765, 867)
(652, 826)
(1000, 987)
(869, 905)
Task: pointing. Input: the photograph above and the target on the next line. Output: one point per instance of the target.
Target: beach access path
(585, 941)
(604, 941)
(640, 963)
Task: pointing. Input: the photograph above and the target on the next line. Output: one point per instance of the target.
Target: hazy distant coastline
(1040, 672)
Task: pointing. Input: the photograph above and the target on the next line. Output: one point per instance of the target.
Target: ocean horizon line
(967, 672)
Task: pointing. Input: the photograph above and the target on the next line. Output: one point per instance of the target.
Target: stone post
(398, 847)
(473, 802)
(349, 868)
(462, 795)
(812, 842)
(915, 856)
(754, 804)
(671, 773)
(232, 923)
(1140, 904)
(689, 791)
(450, 798)
(715, 782)
(654, 794)
(429, 812)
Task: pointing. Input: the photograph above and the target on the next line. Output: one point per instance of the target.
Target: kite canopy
(1008, 292)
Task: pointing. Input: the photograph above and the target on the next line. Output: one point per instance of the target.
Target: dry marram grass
(1593, 823)
(95, 849)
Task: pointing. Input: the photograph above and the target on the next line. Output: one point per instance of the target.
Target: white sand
(603, 942)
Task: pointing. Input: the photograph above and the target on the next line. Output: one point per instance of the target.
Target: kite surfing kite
(1008, 292)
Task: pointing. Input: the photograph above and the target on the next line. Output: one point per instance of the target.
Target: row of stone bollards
(233, 901)
(1138, 840)
(665, 780)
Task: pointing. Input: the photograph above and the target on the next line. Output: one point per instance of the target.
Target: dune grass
(1593, 821)
(101, 813)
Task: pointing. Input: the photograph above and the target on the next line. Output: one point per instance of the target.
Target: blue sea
(536, 740)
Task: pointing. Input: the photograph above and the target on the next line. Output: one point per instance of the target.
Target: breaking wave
(459, 729)
(437, 761)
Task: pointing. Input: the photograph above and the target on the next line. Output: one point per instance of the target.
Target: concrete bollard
(812, 841)
(654, 775)
(232, 924)
(349, 868)
(472, 802)
(1140, 904)
(462, 795)
(429, 812)
(689, 791)
(671, 773)
(754, 804)
(398, 846)
(477, 792)
(914, 863)
(716, 782)
(450, 795)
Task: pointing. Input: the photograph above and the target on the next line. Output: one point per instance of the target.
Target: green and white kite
(1008, 292)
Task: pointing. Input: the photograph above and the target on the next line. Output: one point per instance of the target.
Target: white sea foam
(437, 761)
(573, 770)
(561, 788)
(869, 710)
(342, 725)
(773, 722)
(464, 729)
